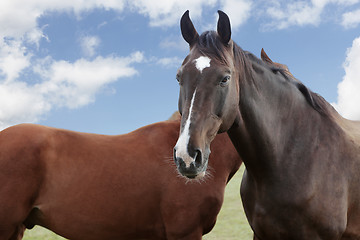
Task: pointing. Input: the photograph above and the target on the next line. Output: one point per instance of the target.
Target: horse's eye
(178, 78)
(225, 81)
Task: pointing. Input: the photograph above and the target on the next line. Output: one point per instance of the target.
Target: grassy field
(231, 223)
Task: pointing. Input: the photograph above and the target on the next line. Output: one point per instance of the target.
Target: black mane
(315, 100)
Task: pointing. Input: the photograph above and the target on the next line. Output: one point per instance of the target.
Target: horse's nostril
(198, 158)
(180, 163)
(178, 160)
(175, 159)
(192, 167)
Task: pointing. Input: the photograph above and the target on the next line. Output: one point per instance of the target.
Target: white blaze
(183, 141)
(202, 62)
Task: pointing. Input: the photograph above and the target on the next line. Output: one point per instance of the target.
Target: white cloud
(58, 83)
(17, 17)
(20, 103)
(174, 42)
(238, 11)
(89, 45)
(349, 88)
(104, 23)
(35, 35)
(75, 84)
(351, 19)
(61, 84)
(284, 14)
(13, 59)
(168, 12)
(294, 13)
(169, 62)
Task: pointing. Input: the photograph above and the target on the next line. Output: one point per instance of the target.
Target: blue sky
(109, 66)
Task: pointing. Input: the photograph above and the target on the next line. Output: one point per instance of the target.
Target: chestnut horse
(302, 158)
(89, 186)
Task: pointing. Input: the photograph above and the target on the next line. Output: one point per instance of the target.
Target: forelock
(209, 44)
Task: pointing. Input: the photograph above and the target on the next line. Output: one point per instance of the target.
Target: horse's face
(208, 100)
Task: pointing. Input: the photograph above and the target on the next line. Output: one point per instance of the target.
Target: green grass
(231, 223)
(39, 233)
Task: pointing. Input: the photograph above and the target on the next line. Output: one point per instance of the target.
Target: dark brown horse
(302, 178)
(88, 186)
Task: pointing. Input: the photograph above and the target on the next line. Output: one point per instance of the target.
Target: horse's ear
(265, 57)
(223, 27)
(188, 30)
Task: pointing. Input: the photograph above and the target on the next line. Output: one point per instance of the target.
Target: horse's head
(209, 98)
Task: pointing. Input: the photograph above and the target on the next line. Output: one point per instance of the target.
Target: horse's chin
(198, 176)
(194, 174)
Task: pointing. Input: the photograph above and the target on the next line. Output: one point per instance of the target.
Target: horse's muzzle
(188, 166)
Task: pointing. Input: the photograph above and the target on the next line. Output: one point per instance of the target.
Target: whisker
(209, 173)
(169, 160)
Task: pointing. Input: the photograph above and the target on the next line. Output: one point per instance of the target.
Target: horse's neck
(274, 119)
(227, 161)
